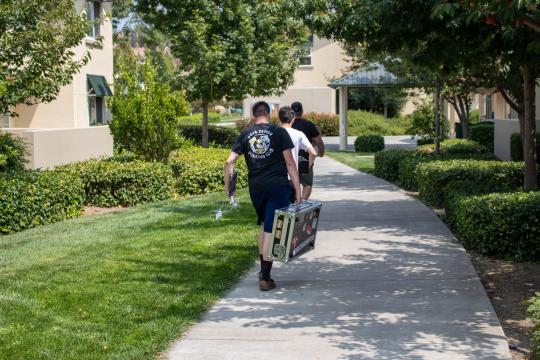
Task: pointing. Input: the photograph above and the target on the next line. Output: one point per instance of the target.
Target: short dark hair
(297, 108)
(256, 108)
(286, 115)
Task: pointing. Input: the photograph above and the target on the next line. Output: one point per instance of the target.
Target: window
(94, 18)
(97, 90)
(489, 107)
(305, 53)
(4, 121)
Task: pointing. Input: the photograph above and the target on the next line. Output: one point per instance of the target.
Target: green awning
(99, 85)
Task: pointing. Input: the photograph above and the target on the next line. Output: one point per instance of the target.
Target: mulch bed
(508, 285)
(94, 210)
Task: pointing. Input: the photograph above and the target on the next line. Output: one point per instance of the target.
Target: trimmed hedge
(32, 198)
(501, 224)
(456, 147)
(483, 134)
(217, 135)
(369, 143)
(328, 124)
(435, 176)
(387, 163)
(196, 119)
(108, 183)
(424, 141)
(200, 171)
(12, 153)
(516, 147)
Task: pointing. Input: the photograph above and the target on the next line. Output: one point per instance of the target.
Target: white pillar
(343, 121)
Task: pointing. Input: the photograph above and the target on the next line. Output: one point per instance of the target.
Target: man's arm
(228, 170)
(293, 173)
(318, 141)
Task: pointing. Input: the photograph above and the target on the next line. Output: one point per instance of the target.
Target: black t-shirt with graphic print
(308, 128)
(262, 146)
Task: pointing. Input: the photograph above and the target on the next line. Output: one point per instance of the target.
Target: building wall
(328, 62)
(51, 147)
(504, 128)
(70, 108)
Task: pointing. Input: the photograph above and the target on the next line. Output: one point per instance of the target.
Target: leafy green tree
(229, 49)
(422, 123)
(145, 112)
(386, 101)
(36, 56)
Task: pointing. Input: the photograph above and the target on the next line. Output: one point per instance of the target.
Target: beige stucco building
(74, 126)
(324, 61)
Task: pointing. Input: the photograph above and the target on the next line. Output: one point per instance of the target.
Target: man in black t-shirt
(267, 152)
(314, 136)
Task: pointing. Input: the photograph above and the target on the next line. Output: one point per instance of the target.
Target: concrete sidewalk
(386, 281)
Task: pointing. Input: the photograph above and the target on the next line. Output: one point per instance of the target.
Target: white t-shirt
(300, 142)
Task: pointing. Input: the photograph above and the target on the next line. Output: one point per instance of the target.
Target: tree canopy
(229, 49)
(37, 38)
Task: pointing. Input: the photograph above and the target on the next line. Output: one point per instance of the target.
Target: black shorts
(267, 202)
(307, 179)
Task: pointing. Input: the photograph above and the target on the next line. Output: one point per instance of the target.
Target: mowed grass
(360, 161)
(120, 285)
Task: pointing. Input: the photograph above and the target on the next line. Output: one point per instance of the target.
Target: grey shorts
(307, 179)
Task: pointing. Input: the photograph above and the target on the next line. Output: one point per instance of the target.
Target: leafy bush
(484, 134)
(534, 316)
(196, 119)
(109, 183)
(369, 143)
(32, 198)
(12, 153)
(455, 147)
(328, 124)
(217, 135)
(516, 147)
(422, 122)
(500, 224)
(435, 176)
(474, 116)
(367, 123)
(387, 163)
(145, 112)
(199, 170)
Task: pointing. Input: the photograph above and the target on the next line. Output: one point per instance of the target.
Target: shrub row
(365, 123)
(113, 183)
(199, 170)
(434, 177)
(217, 135)
(516, 147)
(484, 134)
(387, 163)
(534, 316)
(455, 147)
(12, 153)
(196, 119)
(369, 143)
(32, 198)
(500, 224)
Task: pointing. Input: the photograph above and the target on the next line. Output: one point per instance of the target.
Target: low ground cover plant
(433, 177)
(32, 198)
(114, 183)
(369, 143)
(199, 170)
(500, 224)
(534, 316)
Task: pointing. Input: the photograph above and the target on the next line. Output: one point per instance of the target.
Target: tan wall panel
(503, 130)
(52, 147)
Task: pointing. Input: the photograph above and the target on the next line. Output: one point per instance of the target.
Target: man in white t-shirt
(299, 139)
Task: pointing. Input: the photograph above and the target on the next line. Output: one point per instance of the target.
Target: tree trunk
(438, 118)
(204, 141)
(465, 121)
(385, 111)
(529, 128)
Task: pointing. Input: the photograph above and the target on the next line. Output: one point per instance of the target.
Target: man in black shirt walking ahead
(267, 151)
(314, 136)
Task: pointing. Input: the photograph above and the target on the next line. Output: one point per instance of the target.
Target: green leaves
(36, 59)
(146, 113)
(12, 153)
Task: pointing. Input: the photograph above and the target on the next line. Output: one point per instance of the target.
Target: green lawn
(120, 285)
(360, 161)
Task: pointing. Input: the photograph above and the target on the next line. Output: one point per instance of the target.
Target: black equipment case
(294, 231)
